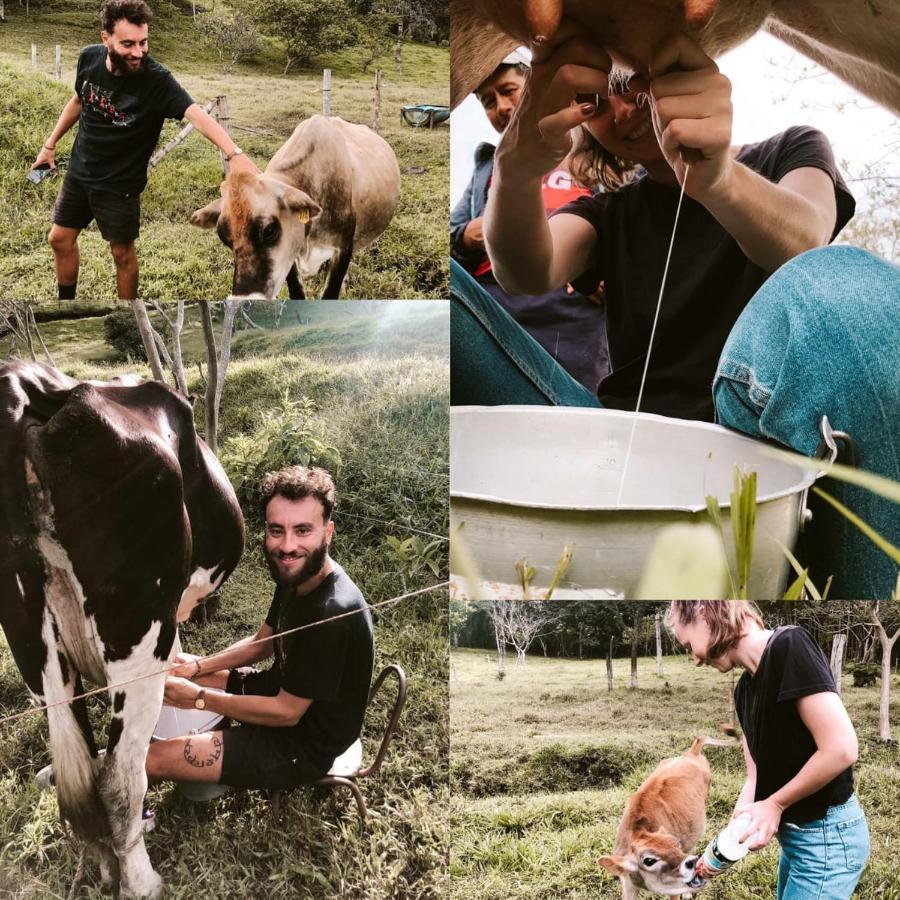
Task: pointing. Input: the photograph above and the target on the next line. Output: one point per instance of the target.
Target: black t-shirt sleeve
(808, 672)
(173, 98)
(804, 147)
(79, 70)
(316, 660)
(272, 614)
(589, 209)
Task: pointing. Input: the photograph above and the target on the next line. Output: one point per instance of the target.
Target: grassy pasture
(543, 763)
(377, 376)
(177, 260)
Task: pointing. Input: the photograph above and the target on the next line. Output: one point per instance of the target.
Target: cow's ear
(300, 205)
(612, 864)
(208, 216)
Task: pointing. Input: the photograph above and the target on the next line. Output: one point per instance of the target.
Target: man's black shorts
(262, 756)
(118, 215)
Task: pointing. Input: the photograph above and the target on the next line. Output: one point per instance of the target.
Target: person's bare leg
(125, 257)
(196, 757)
(66, 258)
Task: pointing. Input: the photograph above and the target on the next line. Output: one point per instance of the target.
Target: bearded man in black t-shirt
(122, 98)
(305, 711)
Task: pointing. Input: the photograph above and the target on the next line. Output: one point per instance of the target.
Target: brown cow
(857, 41)
(331, 189)
(662, 823)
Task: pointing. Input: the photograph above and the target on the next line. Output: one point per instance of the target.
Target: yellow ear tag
(303, 215)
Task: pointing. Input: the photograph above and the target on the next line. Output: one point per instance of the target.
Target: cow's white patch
(72, 761)
(314, 257)
(201, 585)
(63, 593)
(123, 776)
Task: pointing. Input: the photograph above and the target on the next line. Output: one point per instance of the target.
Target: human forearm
(245, 652)
(67, 118)
(210, 129)
(747, 794)
(253, 710)
(821, 768)
(517, 235)
(770, 222)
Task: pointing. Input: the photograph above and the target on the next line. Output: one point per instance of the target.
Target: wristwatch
(237, 152)
(200, 699)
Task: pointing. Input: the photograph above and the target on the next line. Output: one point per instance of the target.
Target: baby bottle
(725, 849)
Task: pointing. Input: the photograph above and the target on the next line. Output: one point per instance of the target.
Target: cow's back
(342, 166)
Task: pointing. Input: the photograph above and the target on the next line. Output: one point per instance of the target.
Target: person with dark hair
(122, 98)
(568, 324)
(799, 745)
(300, 715)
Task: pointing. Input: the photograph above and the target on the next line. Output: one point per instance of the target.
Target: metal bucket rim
(807, 477)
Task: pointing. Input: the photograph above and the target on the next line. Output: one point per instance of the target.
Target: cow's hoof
(150, 888)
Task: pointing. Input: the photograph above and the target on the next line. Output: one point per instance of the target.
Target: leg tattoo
(204, 760)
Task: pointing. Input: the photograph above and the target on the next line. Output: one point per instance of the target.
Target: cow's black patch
(224, 231)
(115, 732)
(118, 701)
(164, 641)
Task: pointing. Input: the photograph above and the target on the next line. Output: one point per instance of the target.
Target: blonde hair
(727, 620)
(591, 163)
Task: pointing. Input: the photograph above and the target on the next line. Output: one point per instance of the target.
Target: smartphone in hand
(36, 176)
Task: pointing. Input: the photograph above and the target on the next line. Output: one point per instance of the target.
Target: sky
(765, 102)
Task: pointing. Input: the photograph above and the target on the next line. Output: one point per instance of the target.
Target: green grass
(544, 761)
(384, 406)
(409, 260)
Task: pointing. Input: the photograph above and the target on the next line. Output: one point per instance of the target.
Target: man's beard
(315, 559)
(121, 66)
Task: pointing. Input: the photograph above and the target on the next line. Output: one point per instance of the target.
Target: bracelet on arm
(196, 669)
(48, 147)
(236, 152)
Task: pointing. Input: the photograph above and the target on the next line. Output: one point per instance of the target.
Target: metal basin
(526, 482)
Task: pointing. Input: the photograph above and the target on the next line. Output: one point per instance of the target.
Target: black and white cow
(116, 521)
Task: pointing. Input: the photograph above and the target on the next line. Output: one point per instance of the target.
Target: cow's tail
(74, 762)
(701, 742)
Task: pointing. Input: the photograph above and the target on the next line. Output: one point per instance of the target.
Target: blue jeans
(495, 362)
(820, 337)
(824, 859)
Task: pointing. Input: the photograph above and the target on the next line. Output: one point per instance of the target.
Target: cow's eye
(271, 232)
(649, 861)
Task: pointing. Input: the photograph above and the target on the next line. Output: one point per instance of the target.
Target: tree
(375, 31)
(881, 615)
(308, 28)
(231, 36)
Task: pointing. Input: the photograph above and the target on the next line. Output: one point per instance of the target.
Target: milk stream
(662, 288)
(725, 849)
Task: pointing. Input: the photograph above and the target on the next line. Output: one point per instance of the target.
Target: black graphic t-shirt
(330, 664)
(121, 118)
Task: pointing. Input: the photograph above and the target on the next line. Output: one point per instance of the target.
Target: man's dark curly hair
(135, 11)
(295, 483)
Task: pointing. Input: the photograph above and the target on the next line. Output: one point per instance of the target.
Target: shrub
(120, 331)
(288, 435)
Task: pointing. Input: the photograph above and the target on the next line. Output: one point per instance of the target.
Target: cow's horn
(542, 18)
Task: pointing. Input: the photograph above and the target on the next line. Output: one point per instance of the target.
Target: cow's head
(656, 862)
(265, 222)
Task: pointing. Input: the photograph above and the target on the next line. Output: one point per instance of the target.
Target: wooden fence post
(326, 92)
(376, 121)
(223, 119)
(34, 57)
(2, 11)
(58, 66)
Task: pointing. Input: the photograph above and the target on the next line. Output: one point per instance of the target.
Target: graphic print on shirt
(96, 98)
